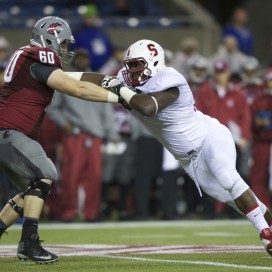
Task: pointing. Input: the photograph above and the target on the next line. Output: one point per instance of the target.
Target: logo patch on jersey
(53, 27)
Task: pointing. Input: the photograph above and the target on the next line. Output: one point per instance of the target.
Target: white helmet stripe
(43, 43)
(56, 35)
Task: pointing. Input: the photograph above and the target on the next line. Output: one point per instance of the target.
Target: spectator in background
(261, 170)
(171, 171)
(169, 57)
(189, 48)
(198, 73)
(92, 37)
(251, 86)
(112, 66)
(84, 127)
(251, 83)
(238, 27)
(118, 165)
(149, 150)
(231, 54)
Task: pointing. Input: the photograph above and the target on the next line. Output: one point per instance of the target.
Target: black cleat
(31, 249)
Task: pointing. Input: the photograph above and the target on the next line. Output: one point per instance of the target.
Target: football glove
(112, 84)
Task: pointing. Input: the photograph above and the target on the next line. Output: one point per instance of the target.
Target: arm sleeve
(41, 72)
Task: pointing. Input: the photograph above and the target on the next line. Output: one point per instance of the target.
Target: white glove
(112, 84)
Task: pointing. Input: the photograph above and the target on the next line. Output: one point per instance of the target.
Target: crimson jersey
(231, 107)
(23, 99)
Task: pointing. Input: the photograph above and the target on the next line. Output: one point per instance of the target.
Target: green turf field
(210, 246)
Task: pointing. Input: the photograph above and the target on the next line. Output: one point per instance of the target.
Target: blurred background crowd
(110, 167)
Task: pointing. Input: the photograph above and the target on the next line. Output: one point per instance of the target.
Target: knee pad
(16, 208)
(227, 178)
(39, 188)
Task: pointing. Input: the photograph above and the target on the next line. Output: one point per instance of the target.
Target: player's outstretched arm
(152, 103)
(73, 86)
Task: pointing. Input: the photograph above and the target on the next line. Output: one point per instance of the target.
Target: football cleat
(266, 237)
(31, 249)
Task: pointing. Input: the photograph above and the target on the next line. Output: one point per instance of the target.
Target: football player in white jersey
(161, 99)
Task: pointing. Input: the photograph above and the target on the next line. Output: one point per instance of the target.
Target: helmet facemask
(63, 53)
(137, 71)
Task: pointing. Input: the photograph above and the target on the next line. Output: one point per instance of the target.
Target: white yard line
(145, 224)
(246, 267)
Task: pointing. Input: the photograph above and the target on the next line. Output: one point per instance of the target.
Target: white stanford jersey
(179, 127)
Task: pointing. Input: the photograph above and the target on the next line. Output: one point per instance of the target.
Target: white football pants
(214, 168)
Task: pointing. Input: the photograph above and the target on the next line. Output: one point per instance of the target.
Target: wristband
(113, 98)
(127, 94)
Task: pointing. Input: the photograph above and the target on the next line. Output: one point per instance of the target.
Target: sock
(3, 227)
(256, 217)
(30, 228)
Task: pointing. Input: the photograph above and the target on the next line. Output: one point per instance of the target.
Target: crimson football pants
(259, 172)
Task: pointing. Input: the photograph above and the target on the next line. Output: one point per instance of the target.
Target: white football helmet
(53, 32)
(143, 60)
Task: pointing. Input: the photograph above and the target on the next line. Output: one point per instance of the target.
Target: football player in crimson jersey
(164, 103)
(32, 75)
